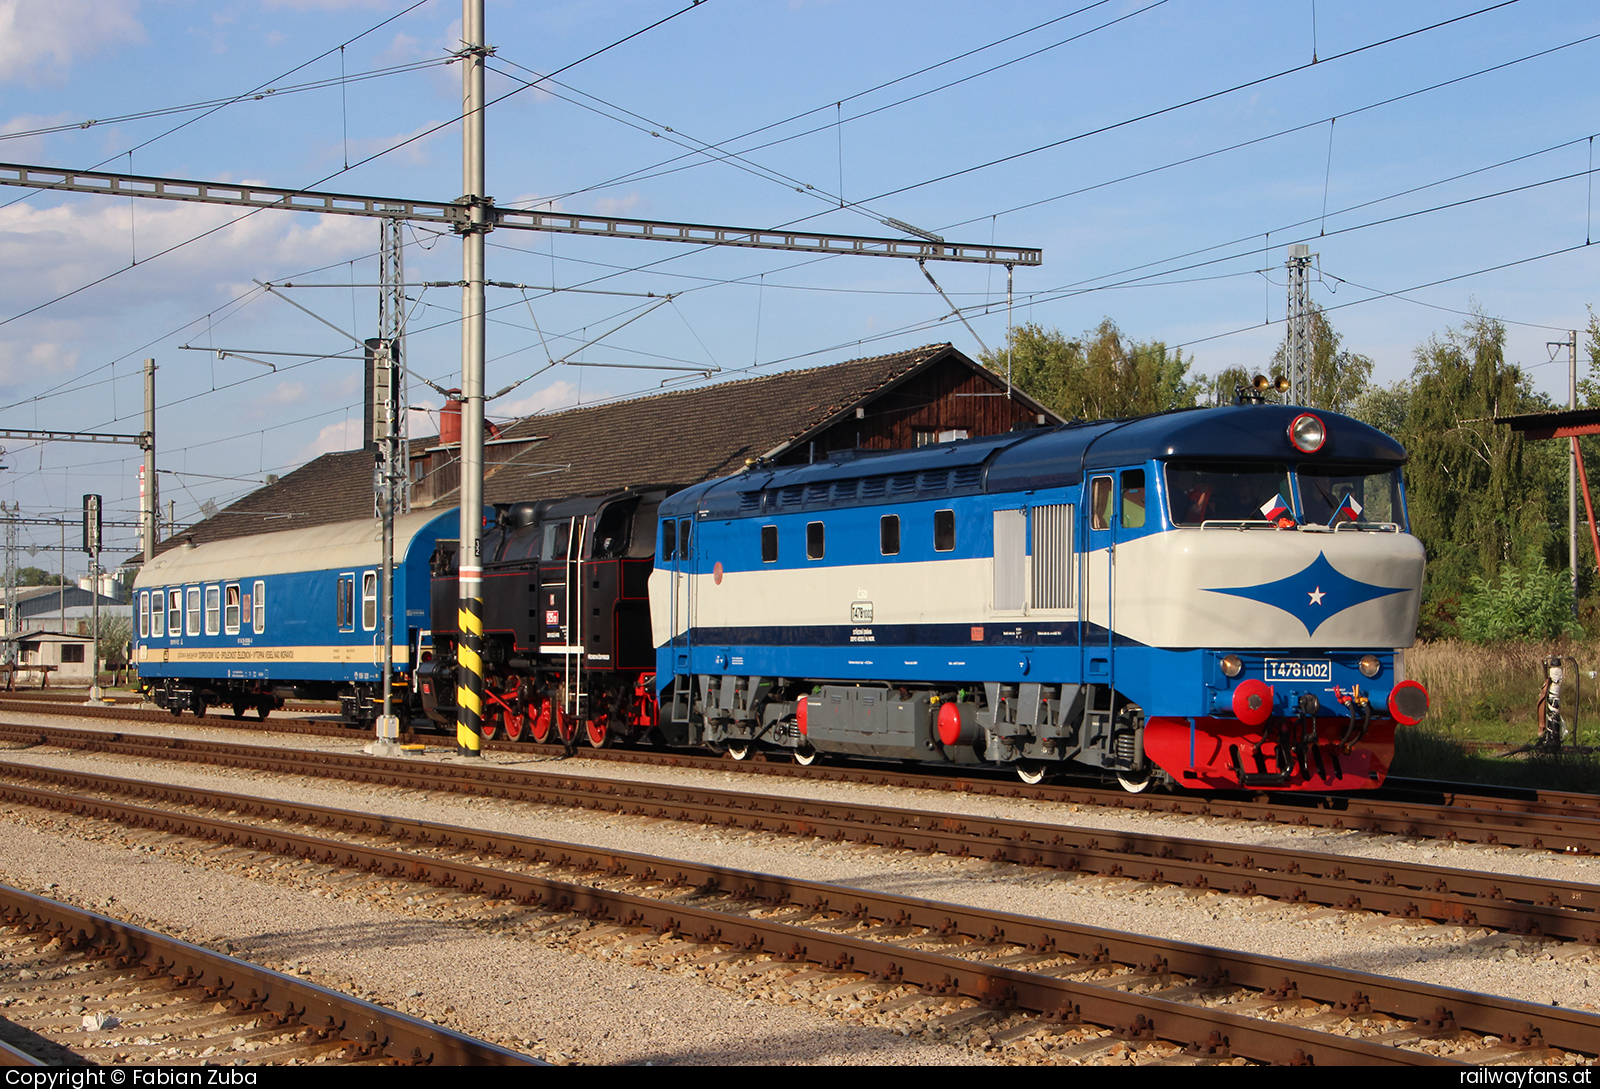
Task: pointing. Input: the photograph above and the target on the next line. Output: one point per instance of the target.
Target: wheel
(539, 724)
(265, 706)
(489, 723)
(566, 726)
(1135, 782)
(806, 756)
(1031, 772)
(738, 750)
(239, 708)
(515, 722)
(598, 731)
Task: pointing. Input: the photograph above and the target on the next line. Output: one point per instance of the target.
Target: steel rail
(1074, 1001)
(1557, 909)
(1090, 945)
(1550, 821)
(370, 1031)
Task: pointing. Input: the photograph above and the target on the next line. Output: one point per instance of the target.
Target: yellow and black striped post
(469, 678)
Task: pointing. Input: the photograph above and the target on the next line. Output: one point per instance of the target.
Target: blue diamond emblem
(1314, 595)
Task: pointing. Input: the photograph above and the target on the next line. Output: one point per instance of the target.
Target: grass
(1489, 695)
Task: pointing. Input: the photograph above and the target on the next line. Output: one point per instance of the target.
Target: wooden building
(907, 399)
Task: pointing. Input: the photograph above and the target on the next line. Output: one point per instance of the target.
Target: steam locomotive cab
(566, 620)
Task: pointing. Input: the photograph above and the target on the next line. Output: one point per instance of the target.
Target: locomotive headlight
(1370, 665)
(1231, 666)
(1307, 433)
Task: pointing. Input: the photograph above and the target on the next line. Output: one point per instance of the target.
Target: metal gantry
(460, 215)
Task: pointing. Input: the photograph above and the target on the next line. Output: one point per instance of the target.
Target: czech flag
(1349, 509)
(1274, 508)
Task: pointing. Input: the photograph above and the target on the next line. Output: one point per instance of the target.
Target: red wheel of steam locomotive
(489, 721)
(539, 722)
(598, 731)
(566, 726)
(515, 721)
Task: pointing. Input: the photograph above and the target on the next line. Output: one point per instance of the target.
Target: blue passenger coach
(1213, 597)
(251, 621)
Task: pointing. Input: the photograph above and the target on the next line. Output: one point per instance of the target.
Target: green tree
(1102, 375)
(38, 576)
(1338, 377)
(1476, 501)
(1384, 407)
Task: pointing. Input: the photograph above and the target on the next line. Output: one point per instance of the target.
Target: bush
(1527, 603)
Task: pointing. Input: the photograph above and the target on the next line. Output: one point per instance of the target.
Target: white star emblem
(1317, 595)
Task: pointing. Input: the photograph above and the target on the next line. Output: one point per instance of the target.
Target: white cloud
(49, 251)
(344, 435)
(416, 152)
(39, 41)
(616, 206)
(22, 361)
(559, 394)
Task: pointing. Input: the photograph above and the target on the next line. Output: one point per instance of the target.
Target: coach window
(191, 618)
(230, 609)
(213, 610)
(158, 613)
(174, 612)
(944, 530)
(1133, 499)
(769, 544)
(369, 600)
(889, 535)
(814, 541)
(144, 616)
(344, 603)
(1100, 503)
(258, 606)
(669, 539)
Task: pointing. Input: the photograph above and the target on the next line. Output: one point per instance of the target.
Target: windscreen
(1361, 494)
(1219, 491)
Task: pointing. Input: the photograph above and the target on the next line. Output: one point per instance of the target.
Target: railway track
(84, 989)
(1541, 820)
(1556, 909)
(1092, 987)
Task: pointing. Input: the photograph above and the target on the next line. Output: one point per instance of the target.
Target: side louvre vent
(874, 487)
(969, 477)
(1054, 559)
(749, 502)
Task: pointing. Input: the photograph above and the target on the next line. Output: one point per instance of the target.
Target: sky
(1435, 155)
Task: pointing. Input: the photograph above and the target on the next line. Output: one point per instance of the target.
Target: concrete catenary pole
(469, 664)
(149, 496)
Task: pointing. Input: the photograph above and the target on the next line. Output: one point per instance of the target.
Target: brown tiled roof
(688, 435)
(676, 438)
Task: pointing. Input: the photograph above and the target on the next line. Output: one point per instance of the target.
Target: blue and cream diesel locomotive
(1212, 598)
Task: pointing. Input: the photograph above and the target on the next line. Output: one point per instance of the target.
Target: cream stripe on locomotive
(918, 592)
(1165, 593)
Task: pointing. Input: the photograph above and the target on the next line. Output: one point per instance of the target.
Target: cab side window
(1100, 503)
(1133, 499)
